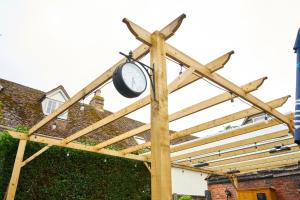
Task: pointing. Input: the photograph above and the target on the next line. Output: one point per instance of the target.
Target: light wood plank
(73, 145)
(251, 149)
(231, 145)
(277, 165)
(213, 123)
(181, 166)
(138, 53)
(35, 155)
(183, 113)
(246, 157)
(141, 51)
(259, 163)
(232, 133)
(188, 61)
(12, 187)
(161, 184)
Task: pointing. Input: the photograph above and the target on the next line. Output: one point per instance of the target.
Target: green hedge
(62, 173)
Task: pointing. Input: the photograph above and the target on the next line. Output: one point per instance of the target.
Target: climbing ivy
(62, 173)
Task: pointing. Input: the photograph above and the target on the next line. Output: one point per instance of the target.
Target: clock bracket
(147, 69)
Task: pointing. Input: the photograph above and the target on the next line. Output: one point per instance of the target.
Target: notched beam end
(255, 85)
(220, 62)
(171, 28)
(137, 30)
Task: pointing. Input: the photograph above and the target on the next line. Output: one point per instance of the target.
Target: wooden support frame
(249, 87)
(257, 155)
(274, 165)
(186, 78)
(186, 60)
(257, 162)
(12, 187)
(213, 123)
(160, 139)
(232, 133)
(73, 145)
(247, 150)
(36, 154)
(231, 145)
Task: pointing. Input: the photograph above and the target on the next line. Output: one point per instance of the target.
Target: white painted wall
(188, 182)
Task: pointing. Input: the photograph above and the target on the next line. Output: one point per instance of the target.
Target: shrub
(186, 197)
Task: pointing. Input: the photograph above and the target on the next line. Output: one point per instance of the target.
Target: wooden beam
(147, 166)
(246, 157)
(184, 112)
(213, 123)
(231, 145)
(180, 166)
(36, 154)
(138, 53)
(180, 81)
(228, 134)
(270, 167)
(234, 181)
(246, 150)
(143, 35)
(258, 162)
(161, 184)
(12, 187)
(189, 62)
(56, 142)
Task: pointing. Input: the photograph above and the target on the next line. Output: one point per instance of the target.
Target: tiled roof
(22, 106)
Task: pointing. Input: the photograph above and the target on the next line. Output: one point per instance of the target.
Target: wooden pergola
(244, 156)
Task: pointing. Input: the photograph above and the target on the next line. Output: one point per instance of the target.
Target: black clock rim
(121, 86)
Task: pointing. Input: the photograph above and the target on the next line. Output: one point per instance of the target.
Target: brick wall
(286, 187)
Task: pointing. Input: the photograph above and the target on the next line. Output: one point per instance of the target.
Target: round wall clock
(129, 80)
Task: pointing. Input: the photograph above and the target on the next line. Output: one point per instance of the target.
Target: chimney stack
(97, 101)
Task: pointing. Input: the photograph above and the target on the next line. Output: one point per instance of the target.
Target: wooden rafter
(207, 171)
(269, 166)
(213, 123)
(232, 133)
(247, 157)
(181, 81)
(257, 163)
(138, 53)
(186, 60)
(184, 112)
(35, 155)
(73, 145)
(231, 145)
(234, 153)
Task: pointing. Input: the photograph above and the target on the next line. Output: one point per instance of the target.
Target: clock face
(134, 77)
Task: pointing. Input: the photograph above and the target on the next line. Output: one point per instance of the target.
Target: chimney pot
(97, 101)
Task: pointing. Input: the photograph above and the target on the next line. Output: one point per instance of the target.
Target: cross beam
(186, 60)
(213, 123)
(249, 87)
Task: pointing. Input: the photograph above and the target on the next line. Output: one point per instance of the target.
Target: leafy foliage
(62, 173)
(186, 197)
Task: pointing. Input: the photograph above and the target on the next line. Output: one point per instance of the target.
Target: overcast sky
(46, 43)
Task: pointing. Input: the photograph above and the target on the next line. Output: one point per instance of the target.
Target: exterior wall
(286, 187)
(188, 182)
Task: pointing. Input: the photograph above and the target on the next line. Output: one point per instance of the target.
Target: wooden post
(12, 187)
(160, 151)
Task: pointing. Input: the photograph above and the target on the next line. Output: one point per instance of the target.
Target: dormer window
(53, 100)
(51, 106)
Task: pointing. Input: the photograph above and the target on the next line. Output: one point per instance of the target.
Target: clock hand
(132, 82)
